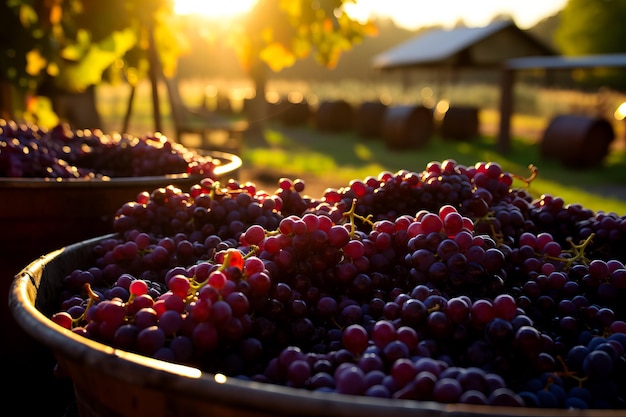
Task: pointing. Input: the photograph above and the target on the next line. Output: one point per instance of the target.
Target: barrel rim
(227, 163)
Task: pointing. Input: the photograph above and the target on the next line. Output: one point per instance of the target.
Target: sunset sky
(410, 14)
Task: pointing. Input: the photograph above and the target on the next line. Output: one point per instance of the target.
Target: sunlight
(445, 12)
(213, 8)
(414, 14)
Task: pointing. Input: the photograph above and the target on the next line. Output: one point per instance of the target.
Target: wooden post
(129, 110)
(153, 70)
(506, 109)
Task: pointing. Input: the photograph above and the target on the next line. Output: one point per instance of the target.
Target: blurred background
(68, 60)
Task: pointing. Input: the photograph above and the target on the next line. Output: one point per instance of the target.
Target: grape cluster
(446, 285)
(28, 151)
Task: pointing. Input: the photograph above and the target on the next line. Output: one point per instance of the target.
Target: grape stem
(498, 236)
(352, 215)
(254, 250)
(567, 373)
(529, 179)
(218, 191)
(93, 298)
(195, 285)
(577, 252)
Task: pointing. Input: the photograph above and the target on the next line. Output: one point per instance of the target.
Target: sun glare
(213, 8)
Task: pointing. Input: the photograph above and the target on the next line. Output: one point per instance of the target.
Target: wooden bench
(216, 132)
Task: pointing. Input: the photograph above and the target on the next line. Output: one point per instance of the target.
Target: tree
(69, 46)
(277, 33)
(593, 27)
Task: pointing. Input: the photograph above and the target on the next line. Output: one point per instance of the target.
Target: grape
(444, 285)
(597, 364)
(147, 317)
(505, 397)
(63, 319)
(504, 306)
(298, 372)
(150, 339)
(482, 311)
(473, 397)
(350, 381)
(60, 152)
(355, 339)
(447, 390)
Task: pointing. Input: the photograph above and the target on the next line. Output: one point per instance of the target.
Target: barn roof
(567, 62)
(467, 47)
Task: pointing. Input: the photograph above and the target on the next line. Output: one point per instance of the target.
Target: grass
(337, 158)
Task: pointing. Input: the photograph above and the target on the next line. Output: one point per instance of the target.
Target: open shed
(512, 67)
(484, 47)
(447, 52)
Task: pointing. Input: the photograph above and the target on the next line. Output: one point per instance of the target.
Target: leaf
(39, 110)
(170, 44)
(291, 7)
(76, 51)
(72, 53)
(35, 62)
(277, 57)
(89, 70)
(370, 29)
(56, 13)
(301, 48)
(328, 25)
(28, 16)
(53, 69)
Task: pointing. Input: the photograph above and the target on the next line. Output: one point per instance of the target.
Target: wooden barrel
(111, 382)
(38, 215)
(294, 113)
(223, 104)
(407, 126)
(577, 141)
(460, 123)
(334, 116)
(368, 119)
(273, 110)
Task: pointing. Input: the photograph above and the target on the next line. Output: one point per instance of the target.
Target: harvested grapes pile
(28, 151)
(444, 284)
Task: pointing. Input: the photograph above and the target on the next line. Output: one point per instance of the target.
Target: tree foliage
(76, 41)
(280, 32)
(73, 44)
(275, 34)
(70, 45)
(592, 27)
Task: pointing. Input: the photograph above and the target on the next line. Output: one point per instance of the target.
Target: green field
(336, 158)
(339, 158)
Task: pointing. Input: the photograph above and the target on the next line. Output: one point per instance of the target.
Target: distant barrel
(407, 126)
(368, 119)
(460, 123)
(577, 141)
(223, 104)
(334, 116)
(294, 113)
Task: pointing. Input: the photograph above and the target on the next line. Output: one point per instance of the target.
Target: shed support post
(153, 71)
(506, 110)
